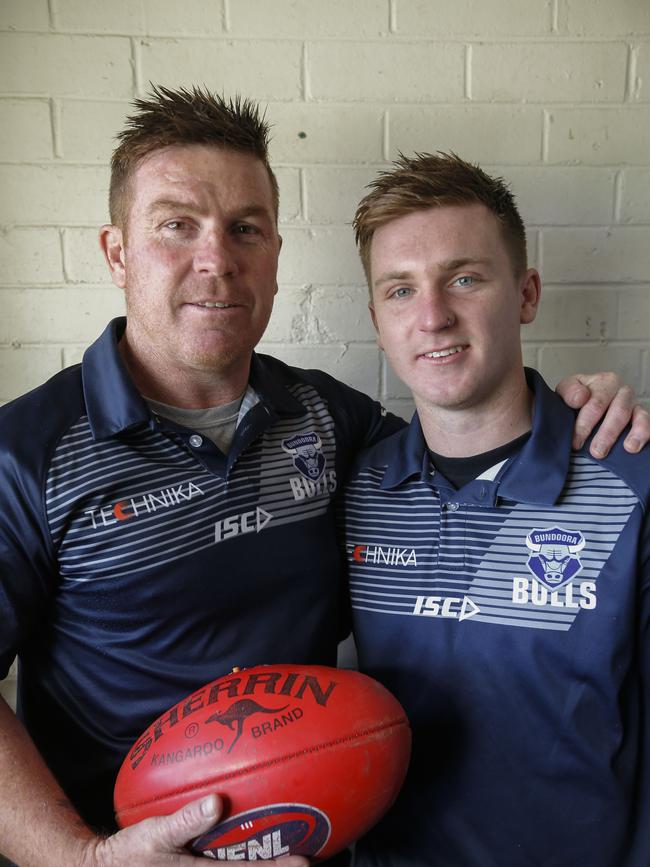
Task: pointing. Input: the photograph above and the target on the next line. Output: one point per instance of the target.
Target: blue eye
(465, 282)
(402, 292)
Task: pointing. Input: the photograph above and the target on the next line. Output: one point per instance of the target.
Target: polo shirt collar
(271, 390)
(411, 457)
(114, 404)
(536, 475)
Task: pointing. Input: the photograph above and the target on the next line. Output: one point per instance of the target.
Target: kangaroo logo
(554, 557)
(308, 459)
(235, 716)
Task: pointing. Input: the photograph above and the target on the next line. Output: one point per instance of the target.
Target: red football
(306, 759)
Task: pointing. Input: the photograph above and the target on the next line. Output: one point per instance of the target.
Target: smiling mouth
(212, 305)
(444, 353)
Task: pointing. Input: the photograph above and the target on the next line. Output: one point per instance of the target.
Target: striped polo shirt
(510, 618)
(138, 562)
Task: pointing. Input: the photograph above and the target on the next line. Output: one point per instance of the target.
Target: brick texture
(334, 247)
(24, 367)
(552, 94)
(84, 261)
(587, 198)
(24, 15)
(144, 17)
(604, 17)
(599, 136)
(26, 130)
(55, 64)
(269, 70)
(308, 19)
(48, 311)
(30, 255)
(487, 134)
(539, 72)
(426, 75)
(488, 18)
(619, 254)
(642, 78)
(306, 133)
(635, 198)
(59, 194)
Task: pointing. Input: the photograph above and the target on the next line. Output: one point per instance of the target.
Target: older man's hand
(603, 396)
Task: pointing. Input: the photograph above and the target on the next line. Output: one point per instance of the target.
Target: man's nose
(215, 255)
(435, 312)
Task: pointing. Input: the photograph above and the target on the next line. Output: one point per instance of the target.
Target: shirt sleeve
(27, 565)
(641, 803)
(363, 421)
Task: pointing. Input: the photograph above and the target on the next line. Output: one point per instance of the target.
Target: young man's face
(447, 305)
(199, 258)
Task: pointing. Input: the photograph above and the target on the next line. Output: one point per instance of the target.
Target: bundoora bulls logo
(554, 557)
(305, 449)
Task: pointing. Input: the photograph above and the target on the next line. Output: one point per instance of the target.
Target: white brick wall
(553, 94)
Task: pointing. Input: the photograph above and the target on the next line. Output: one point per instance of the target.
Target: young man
(165, 507)
(500, 582)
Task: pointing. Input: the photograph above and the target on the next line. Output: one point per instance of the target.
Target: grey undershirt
(217, 423)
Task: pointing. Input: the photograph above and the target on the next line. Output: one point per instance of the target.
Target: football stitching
(401, 721)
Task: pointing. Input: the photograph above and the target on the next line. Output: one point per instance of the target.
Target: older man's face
(200, 258)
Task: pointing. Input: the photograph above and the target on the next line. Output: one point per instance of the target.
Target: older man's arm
(40, 828)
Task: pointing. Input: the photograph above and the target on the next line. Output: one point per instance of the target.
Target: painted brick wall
(554, 94)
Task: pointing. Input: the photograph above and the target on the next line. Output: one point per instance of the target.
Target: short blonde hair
(432, 181)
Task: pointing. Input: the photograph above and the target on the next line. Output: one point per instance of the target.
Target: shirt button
(483, 492)
(453, 507)
(196, 441)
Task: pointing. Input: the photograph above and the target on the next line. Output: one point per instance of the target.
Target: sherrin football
(306, 759)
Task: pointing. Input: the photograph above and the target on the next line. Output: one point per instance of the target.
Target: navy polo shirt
(138, 562)
(511, 619)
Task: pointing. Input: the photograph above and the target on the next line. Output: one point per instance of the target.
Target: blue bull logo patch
(554, 557)
(305, 449)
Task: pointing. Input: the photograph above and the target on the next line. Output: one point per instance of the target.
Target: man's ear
(111, 240)
(373, 316)
(531, 290)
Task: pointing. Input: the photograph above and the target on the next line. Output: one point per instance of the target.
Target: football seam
(400, 721)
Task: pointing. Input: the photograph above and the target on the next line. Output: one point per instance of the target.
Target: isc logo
(235, 525)
(447, 606)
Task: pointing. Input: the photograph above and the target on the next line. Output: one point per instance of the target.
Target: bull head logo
(554, 555)
(305, 449)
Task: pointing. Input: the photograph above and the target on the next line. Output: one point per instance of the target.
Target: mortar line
(555, 17)
(618, 196)
(392, 16)
(630, 78)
